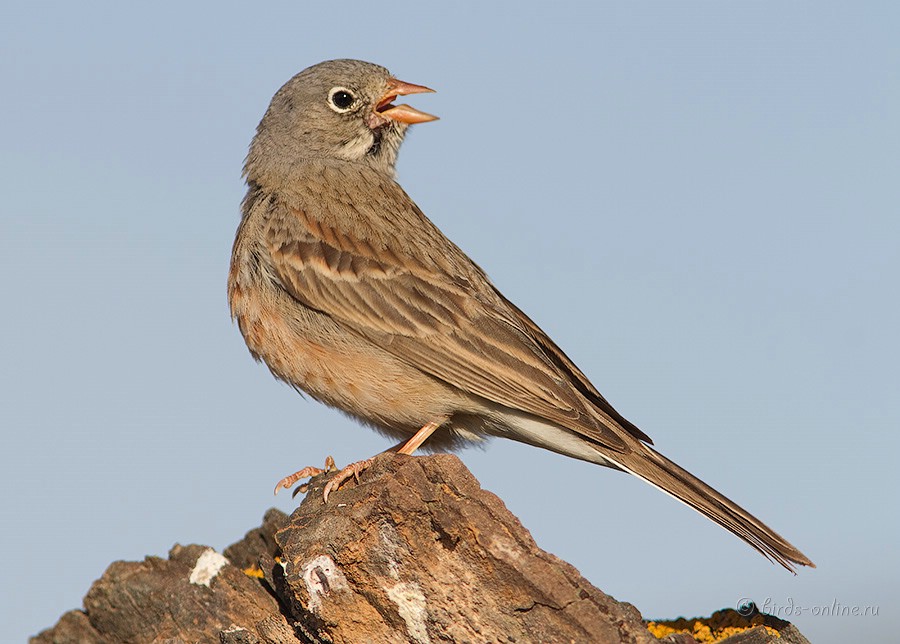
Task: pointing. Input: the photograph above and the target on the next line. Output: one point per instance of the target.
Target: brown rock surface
(420, 551)
(189, 597)
(417, 552)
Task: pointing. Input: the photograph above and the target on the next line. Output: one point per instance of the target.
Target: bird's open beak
(402, 113)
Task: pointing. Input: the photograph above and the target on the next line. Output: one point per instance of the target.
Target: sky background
(698, 203)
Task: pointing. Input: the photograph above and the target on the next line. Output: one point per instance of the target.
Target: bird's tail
(651, 466)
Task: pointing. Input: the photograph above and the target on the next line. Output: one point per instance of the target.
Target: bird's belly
(309, 350)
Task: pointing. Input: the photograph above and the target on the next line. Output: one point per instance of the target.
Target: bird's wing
(439, 314)
(575, 375)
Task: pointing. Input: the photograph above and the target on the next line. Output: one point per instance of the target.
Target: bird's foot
(351, 470)
(306, 472)
(406, 447)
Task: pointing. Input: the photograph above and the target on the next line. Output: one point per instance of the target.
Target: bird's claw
(306, 472)
(351, 470)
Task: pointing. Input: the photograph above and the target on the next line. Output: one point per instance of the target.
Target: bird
(343, 287)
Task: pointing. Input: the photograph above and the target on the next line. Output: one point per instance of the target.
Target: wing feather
(440, 314)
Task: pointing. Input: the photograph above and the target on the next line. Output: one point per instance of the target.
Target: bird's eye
(341, 99)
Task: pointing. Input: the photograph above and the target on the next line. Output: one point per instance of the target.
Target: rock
(416, 552)
(191, 596)
(419, 552)
(728, 626)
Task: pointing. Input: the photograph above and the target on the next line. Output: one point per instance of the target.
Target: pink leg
(407, 447)
(306, 472)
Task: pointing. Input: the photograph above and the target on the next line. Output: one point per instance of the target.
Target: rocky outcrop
(416, 552)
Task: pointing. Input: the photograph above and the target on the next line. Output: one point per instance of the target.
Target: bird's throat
(377, 137)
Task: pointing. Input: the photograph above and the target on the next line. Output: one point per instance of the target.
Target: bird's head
(339, 109)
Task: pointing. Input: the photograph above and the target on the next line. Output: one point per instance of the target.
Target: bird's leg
(406, 447)
(306, 472)
(418, 439)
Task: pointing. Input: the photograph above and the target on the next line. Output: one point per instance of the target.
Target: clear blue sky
(700, 204)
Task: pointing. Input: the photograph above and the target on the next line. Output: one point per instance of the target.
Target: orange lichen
(659, 631)
(702, 632)
(254, 571)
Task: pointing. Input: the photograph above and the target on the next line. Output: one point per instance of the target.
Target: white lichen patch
(412, 607)
(505, 549)
(321, 576)
(390, 548)
(207, 567)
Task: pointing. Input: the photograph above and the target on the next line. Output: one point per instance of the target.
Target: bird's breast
(313, 352)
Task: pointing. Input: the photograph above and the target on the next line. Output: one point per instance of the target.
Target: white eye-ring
(341, 99)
